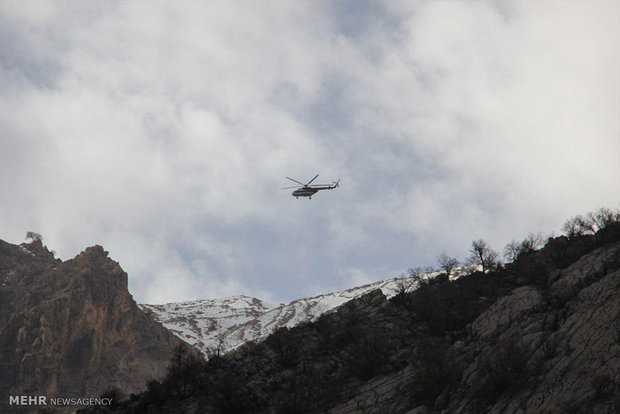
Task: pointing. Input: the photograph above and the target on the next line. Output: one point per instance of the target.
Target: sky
(164, 131)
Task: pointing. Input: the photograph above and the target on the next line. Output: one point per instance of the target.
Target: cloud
(164, 132)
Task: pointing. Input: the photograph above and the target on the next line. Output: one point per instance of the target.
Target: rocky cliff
(550, 348)
(71, 329)
(539, 335)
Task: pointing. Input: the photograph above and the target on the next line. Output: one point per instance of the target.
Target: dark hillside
(540, 334)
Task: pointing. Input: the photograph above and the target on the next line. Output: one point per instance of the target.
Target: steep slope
(538, 335)
(220, 325)
(551, 349)
(71, 329)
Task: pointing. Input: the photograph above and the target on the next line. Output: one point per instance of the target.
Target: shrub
(370, 355)
(286, 346)
(114, 393)
(432, 375)
(505, 368)
(155, 393)
(184, 373)
(532, 268)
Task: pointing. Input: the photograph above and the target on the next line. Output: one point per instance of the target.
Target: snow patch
(221, 325)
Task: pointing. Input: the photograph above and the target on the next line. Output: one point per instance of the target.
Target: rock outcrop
(71, 329)
(553, 349)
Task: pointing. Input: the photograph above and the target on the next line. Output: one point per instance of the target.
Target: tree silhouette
(483, 255)
(447, 263)
(34, 236)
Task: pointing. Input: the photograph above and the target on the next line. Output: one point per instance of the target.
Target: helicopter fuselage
(305, 192)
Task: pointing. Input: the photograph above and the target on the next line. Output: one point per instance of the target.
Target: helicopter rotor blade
(286, 188)
(300, 183)
(312, 179)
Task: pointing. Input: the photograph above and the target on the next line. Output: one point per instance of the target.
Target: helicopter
(307, 190)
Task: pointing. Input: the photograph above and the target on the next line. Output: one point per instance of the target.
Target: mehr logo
(27, 400)
(40, 400)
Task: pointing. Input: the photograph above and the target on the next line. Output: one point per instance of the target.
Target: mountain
(539, 334)
(220, 325)
(71, 329)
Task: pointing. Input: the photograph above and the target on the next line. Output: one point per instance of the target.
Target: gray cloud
(164, 132)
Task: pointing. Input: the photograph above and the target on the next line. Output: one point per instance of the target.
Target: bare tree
(416, 272)
(533, 241)
(603, 217)
(405, 285)
(447, 263)
(31, 235)
(418, 276)
(578, 226)
(591, 223)
(512, 250)
(483, 255)
(184, 370)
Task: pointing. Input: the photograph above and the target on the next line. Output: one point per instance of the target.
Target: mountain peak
(225, 324)
(38, 249)
(71, 328)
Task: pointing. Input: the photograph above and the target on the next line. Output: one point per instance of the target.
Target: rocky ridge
(221, 325)
(71, 329)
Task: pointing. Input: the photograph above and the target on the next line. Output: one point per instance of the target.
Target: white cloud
(164, 131)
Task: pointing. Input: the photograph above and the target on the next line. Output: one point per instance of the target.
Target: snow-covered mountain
(220, 325)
